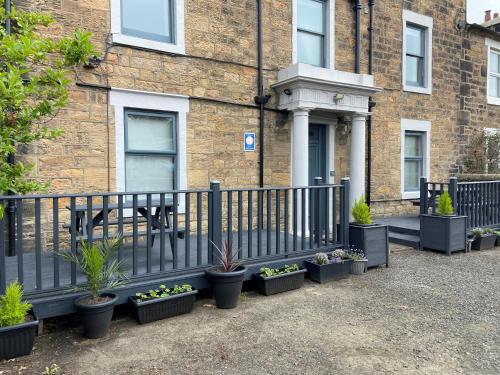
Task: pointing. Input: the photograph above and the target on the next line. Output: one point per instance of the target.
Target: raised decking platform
(403, 230)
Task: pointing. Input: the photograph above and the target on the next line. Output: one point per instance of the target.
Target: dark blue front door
(317, 152)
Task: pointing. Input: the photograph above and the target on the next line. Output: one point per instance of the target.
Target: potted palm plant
(371, 238)
(277, 280)
(324, 267)
(444, 231)
(102, 273)
(483, 239)
(163, 302)
(18, 323)
(226, 279)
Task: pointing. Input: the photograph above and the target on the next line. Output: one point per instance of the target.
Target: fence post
(423, 196)
(344, 214)
(453, 190)
(316, 210)
(215, 221)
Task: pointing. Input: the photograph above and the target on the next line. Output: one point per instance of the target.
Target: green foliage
(321, 259)
(361, 212)
(477, 233)
(33, 87)
(163, 292)
(445, 205)
(52, 370)
(268, 272)
(97, 264)
(12, 308)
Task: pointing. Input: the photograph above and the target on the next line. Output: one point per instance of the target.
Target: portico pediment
(306, 86)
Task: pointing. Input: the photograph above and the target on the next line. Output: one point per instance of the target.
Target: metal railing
(169, 232)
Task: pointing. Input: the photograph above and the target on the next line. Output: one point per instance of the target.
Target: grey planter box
(279, 283)
(484, 243)
(443, 233)
(327, 272)
(18, 340)
(373, 240)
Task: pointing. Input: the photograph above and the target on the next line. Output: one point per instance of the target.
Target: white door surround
(304, 88)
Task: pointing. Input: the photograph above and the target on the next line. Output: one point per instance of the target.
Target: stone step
(404, 230)
(405, 239)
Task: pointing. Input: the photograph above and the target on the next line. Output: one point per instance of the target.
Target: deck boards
(47, 259)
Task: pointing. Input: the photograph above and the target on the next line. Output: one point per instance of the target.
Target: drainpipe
(11, 159)
(371, 105)
(261, 99)
(357, 9)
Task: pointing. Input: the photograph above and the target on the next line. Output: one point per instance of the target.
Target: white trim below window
(178, 47)
(491, 44)
(121, 99)
(417, 126)
(427, 23)
(329, 37)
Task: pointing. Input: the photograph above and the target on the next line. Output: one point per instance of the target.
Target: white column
(300, 148)
(357, 158)
(300, 161)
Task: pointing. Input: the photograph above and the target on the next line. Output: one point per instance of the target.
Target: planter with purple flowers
(325, 267)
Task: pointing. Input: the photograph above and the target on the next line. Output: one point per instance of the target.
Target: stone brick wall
(475, 113)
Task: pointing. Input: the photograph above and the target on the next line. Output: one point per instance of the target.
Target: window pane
(149, 19)
(149, 173)
(311, 15)
(150, 133)
(413, 145)
(414, 71)
(494, 62)
(310, 49)
(413, 172)
(415, 41)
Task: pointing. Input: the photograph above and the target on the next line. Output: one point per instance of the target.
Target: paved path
(427, 314)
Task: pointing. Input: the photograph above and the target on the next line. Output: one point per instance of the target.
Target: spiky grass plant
(97, 264)
(227, 257)
(13, 309)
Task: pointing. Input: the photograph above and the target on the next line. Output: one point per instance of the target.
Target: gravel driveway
(427, 314)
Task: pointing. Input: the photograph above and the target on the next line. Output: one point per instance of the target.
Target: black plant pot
(18, 340)
(279, 283)
(373, 240)
(443, 233)
(96, 319)
(497, 242)
(484, 243)
(226, 286)
(326, 272)
(161, 308)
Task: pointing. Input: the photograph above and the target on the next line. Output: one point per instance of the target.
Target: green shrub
(163, 292)
(12, 308)
(361, 212)
(268, 272)
(477, 233)
(445, 205)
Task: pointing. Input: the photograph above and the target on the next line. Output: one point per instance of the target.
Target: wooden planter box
(279, 283)
(373, 240)
(484, 243)
(18, 340)
(443, 233)
(161, 308)
(327, 272)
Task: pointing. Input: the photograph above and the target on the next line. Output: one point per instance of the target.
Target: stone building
(176, 90)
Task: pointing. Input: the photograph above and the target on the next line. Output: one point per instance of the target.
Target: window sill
(410, 195)
(149, 44)
(493, 100)
(418, 90)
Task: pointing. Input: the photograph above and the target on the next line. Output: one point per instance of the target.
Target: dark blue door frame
(317, 152)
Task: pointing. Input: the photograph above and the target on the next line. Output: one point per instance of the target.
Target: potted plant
(277, 280)
(163, 302)
(226, 279)
(371, 238)
(359, 261)
(483, 239)
(102, 273)
(443, 231)
(324, 267)
(18, 323)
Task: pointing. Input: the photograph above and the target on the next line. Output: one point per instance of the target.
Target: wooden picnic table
(82, 227)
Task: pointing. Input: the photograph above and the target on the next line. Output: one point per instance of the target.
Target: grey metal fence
(169, 232)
